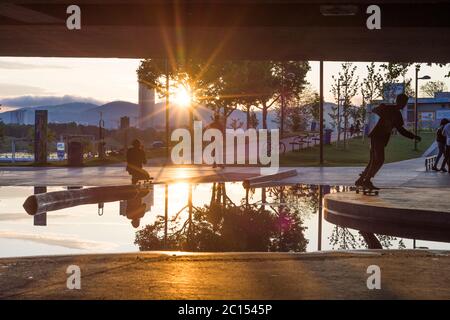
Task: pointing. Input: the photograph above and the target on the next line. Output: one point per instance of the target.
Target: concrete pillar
(40, 219)
(40, 136)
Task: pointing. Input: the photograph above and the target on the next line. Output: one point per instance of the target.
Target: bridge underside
(227, 30)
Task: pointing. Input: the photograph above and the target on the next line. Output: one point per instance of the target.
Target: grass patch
(357, 153)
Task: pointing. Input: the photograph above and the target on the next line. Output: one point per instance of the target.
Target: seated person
(135, 161)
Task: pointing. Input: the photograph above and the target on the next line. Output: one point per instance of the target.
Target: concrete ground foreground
(405, 274)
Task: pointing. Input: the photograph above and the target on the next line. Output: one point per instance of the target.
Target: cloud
(17, 89)
(58, 240)
(34, 101)
(10, 65)
(17, 216)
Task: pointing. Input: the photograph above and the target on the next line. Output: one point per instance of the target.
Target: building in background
(151, 113)
(430, 111)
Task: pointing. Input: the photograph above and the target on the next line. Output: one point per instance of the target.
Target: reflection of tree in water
(302, 198)
(224, 226)
(346, 239)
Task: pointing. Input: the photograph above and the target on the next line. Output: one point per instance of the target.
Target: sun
(182, 96)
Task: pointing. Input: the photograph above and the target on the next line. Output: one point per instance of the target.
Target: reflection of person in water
(135, 211)
(390, 118)
(135, 161)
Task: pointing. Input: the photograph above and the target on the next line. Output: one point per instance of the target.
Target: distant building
(151, 114)
(17, 117)
(430, 111)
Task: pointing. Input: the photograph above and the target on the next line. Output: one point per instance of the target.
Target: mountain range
(89, 114)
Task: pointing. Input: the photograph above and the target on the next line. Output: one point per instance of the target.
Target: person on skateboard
(390, 118)
(135, 161)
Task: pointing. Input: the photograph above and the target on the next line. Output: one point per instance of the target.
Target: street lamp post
(416, 118)
(339, 112)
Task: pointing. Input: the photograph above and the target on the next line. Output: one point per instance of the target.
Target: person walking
(441, 141)
(390, 118)
(446, 132)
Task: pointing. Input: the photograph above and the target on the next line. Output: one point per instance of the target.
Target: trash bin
(75, 154)
(327, 137)
(366, 130)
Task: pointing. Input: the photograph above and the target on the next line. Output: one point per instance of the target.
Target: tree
(302, 109)
(344, 89)
(253, 121)
(265, 83)
(395, 73)
(236, 123)
(372, 85)
(2, 130)
(431, 87)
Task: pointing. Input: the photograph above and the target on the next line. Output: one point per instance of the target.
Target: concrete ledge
(404, 212)
(270, 178)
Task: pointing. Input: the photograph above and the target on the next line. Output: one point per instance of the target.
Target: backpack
(440, 137)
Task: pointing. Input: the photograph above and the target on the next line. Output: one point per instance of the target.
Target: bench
(430, 162)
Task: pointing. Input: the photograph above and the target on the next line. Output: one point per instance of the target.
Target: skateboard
(145, 183)
(366, 191)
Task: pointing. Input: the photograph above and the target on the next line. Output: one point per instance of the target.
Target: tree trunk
(248, 117)
(264, 116)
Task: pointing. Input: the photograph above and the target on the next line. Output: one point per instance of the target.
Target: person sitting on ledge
(390, 118)
(135, 161)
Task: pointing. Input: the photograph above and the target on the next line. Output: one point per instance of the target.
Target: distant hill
(82, 113)
(112, 112)
(89, 114)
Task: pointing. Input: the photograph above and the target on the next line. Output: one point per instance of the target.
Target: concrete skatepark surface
(408, 173)
(405, 274)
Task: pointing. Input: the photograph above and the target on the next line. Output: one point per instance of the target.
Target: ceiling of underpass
(246, 29)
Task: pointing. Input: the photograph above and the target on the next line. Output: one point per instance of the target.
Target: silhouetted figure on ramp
(135, 161)
(441, 141)
(390, 118)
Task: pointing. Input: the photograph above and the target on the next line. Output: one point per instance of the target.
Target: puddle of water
(283, 218)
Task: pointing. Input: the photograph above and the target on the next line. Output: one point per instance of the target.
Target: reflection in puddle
(180, 216)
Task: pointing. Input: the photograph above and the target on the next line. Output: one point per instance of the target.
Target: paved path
(405, 274)
(409, 173)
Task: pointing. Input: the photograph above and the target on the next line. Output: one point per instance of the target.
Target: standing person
(441, 140)
(390, 118)
(357, 127)
(352, 131)
(135, 161)
(446, 132)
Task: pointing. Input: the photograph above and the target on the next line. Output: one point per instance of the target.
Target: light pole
(416, 119)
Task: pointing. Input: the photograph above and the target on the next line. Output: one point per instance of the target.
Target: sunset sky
(105, 80)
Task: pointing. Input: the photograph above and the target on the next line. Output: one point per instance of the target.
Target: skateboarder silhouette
(390, 118)
(135, 162)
